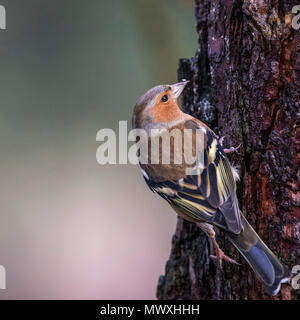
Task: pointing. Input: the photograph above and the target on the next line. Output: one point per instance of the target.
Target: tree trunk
(245, 86)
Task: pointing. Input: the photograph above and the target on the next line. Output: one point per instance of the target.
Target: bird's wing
(209, 195)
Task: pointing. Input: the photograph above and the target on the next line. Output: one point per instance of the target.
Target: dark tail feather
(261, 259)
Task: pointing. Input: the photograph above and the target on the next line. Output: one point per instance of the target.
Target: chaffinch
(207, 198)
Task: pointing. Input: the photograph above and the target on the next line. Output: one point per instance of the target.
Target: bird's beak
(177, 88)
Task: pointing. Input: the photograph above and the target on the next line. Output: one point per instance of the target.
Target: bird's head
(158, 105)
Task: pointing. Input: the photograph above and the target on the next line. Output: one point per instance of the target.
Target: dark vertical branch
(246, 86)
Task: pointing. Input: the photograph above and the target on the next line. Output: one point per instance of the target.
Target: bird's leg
(220, 255)
(210, 232)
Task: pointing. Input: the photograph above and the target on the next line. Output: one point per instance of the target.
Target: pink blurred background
(70, 228)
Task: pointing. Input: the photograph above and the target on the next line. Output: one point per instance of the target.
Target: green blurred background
(70, 228)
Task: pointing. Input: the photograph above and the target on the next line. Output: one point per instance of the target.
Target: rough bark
(245, 86)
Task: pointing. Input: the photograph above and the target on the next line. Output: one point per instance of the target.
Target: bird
(202, 192)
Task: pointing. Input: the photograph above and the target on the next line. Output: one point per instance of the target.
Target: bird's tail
(261, 259)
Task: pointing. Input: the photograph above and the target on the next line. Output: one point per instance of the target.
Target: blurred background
(70, 228)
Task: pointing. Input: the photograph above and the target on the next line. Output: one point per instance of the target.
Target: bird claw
(232, 149)
(222, 256)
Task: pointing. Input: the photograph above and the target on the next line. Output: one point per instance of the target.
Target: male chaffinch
(207, 198)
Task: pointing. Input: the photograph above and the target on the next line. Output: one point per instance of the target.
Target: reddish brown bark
(246, 86)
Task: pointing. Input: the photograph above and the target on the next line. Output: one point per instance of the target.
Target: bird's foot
(229, 150)
(232, 149)
(220, 255)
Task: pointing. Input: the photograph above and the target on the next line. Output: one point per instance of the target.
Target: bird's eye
(165, 98)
